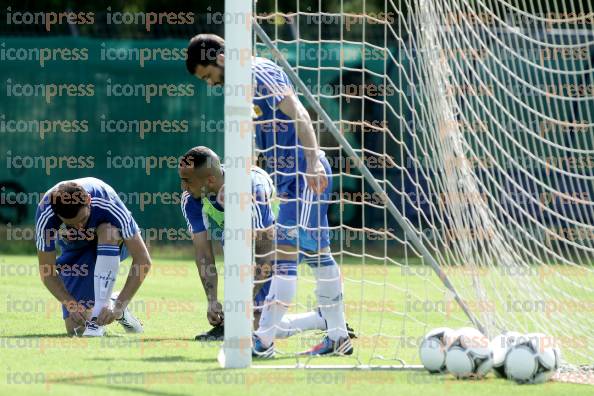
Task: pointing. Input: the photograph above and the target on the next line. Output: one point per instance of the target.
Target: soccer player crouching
(94, 231)
(202, 179)
(302, 176)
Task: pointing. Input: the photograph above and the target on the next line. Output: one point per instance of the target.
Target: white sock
(106, 270)
(281, 294)
(329, 294)
(296, 323)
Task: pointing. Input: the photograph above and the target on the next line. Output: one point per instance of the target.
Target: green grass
(36, 358)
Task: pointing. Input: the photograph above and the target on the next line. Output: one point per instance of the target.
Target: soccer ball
(532, 360)
(500, 345)
(469, 354)
(432, 349)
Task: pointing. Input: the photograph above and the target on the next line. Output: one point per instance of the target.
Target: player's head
(71, 203)
(200, 172)
(206, 58)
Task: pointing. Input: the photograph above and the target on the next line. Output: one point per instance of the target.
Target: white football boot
(129, 322)
(92, 329)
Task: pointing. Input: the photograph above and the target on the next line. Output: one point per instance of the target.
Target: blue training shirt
(106, 207)
(276, 136)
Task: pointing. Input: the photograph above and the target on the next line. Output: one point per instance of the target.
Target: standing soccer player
(94, 231)
(285, 135)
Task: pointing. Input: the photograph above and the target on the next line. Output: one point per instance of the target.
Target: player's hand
(108, 315)
(316, 177)
(77, 312)
(215, 313)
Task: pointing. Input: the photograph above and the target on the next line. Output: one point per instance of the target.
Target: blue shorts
(303, 222)
(76, 267)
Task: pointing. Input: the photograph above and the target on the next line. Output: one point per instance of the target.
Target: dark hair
(203, 50)
(200, 156)
(67, 199)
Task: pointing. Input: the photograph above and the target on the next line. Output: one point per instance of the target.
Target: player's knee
(329, 282)
(329, 294)
(108, 234)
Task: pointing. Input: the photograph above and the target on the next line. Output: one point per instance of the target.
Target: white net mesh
(476, 120)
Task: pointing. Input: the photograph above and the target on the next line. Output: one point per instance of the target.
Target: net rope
(476, 120)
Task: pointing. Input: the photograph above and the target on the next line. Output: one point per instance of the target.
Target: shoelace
(92, 325)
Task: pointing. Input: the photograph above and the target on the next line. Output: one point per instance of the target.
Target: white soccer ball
(532, 360)
(500, 345)
(469, 354)
(433, 349)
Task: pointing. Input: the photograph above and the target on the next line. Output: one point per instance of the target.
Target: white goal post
(236, 350)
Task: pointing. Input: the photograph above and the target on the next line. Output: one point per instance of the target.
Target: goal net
(460, 135)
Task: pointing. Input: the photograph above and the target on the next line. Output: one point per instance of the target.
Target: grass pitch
(37, 359)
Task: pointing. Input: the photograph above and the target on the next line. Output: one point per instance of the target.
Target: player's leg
(292, 324)
(297, 323)
(130, 323)
(75, 268)
(283, 285)
(330, 301)
(105, 272)
(315, 242)
(110, 252)
(106, 266)
(283, 266)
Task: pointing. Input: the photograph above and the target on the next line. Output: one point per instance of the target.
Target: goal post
(236, 350)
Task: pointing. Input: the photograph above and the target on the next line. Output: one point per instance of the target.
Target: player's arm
(205, 263)
(141, 265)
(46, 226)
(55, 285)
(293, 108)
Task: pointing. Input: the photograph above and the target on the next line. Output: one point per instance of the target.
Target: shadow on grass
(121, 388)
(109, 335)
(156, 339)
(59, 335)
(89, 381)
(284, 359)
(112, 335)
(163, 359)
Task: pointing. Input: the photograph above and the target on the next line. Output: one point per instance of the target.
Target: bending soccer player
(302, 174)
(202, 179)
(94, 231)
